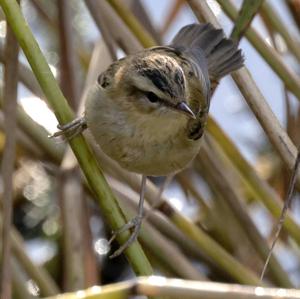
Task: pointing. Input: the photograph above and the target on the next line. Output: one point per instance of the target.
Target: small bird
(148, 111)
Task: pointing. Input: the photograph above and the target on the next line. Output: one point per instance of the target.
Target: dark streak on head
(178, 77)
(158, 62)
(165, 74)
(158, 79)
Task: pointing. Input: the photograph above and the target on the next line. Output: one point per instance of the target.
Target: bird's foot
(71, 129)
(134, 223)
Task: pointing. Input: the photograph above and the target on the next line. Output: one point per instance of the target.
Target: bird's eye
(152, 97)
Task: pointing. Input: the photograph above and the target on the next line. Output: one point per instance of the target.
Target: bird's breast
(143, 144)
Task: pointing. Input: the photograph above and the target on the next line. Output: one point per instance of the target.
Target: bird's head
(156, 84)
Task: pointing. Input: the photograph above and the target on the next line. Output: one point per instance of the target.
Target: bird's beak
(183, 107)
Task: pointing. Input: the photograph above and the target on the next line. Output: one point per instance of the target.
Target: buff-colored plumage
(151, 145)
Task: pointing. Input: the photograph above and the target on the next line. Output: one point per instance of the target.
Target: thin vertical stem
(10, 112)
(247, 13)
(68, 70)
(97, 14)
(287, 203)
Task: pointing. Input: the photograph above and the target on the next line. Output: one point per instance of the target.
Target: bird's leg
(161, 190)
(71, 129)
(158, 201)
(134, 223)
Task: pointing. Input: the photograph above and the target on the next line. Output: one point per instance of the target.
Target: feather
(210, 49)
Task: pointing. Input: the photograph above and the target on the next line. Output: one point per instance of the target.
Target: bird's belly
(144, 155)
(158, 160)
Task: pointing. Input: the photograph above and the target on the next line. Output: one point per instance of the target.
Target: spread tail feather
(222, 54)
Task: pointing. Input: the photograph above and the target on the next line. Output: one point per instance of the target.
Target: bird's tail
(222, 54)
